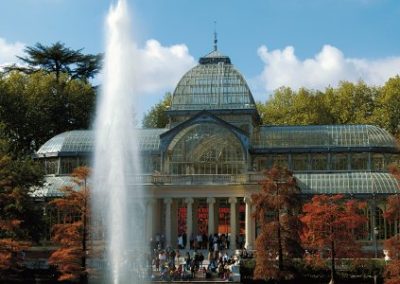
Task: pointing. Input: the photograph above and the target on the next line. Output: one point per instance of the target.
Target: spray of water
(117, 201)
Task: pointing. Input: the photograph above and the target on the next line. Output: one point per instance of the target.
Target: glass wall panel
(51, 166)
(83, 162)
(279, 160)
(68, 165)
(206, 149)
(377, 162)
(150, 163)
(319, 162)
(260, 164)
(339, 161)
(359, 161)
(300, 162)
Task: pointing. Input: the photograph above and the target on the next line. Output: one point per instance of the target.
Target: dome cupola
(214, 84)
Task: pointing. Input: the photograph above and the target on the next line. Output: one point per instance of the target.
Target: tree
(58, 59)
(276, 208)
(157, 116)
(350, 103)
(72, 233)
(387, 113)
(20, 218)
(332, 224)
(392, 214)
(36, 107)
(87, 67)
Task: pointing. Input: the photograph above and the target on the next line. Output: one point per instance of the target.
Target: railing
(195, 179)
(199, 179)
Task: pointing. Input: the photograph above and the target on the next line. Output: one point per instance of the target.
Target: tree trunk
(333, 269)
(280, 252)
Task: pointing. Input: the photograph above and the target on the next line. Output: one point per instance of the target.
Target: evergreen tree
(58, 59)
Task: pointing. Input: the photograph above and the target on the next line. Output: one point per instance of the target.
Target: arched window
(206, 148)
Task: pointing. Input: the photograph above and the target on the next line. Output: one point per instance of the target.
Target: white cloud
(9, 51)
(154, 69)
(326, 68)
(161, 67)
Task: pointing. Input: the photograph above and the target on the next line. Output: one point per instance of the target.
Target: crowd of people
(168, 264)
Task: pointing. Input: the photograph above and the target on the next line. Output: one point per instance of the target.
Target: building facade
(200, 171)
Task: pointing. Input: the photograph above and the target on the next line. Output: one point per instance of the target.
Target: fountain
(117, 202)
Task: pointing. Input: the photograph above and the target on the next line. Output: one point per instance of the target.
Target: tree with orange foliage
(392, 214)
(276, 208)
(71, 233)
(18, 213)
(332, 223)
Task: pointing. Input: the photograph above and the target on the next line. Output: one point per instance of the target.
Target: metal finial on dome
(215, 36)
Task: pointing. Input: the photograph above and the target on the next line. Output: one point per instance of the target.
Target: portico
(205, 216)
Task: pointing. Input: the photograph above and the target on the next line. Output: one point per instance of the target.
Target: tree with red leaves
(332, 223)
(392, 245)
(71, 232)
(276, 208)
(18, 213)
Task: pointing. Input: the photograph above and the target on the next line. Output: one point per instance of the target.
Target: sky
(295, 43)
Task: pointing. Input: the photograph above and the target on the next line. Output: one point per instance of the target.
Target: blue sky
(311, 43)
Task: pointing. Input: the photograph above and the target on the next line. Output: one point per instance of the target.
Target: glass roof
(149, 139)
(322, 136)
(348, 183)
(52, 185)
(328, 183)
(81, 142)
(212, 84)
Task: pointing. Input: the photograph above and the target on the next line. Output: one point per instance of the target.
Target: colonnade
(162, 216)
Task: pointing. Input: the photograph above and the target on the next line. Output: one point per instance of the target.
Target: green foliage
(59, 59)
(349, 103)
(157, 117)
(17, 177)
(35, 107)
(387, 114)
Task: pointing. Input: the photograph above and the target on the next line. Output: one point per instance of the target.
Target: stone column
(189, 220)
(167, 203)
(233, 217)
(150, 217)
(211, 217)
(248, 224)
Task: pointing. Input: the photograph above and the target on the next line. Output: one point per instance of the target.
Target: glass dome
(213, 84)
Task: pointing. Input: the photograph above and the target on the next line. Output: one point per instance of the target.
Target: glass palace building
(200, 171)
